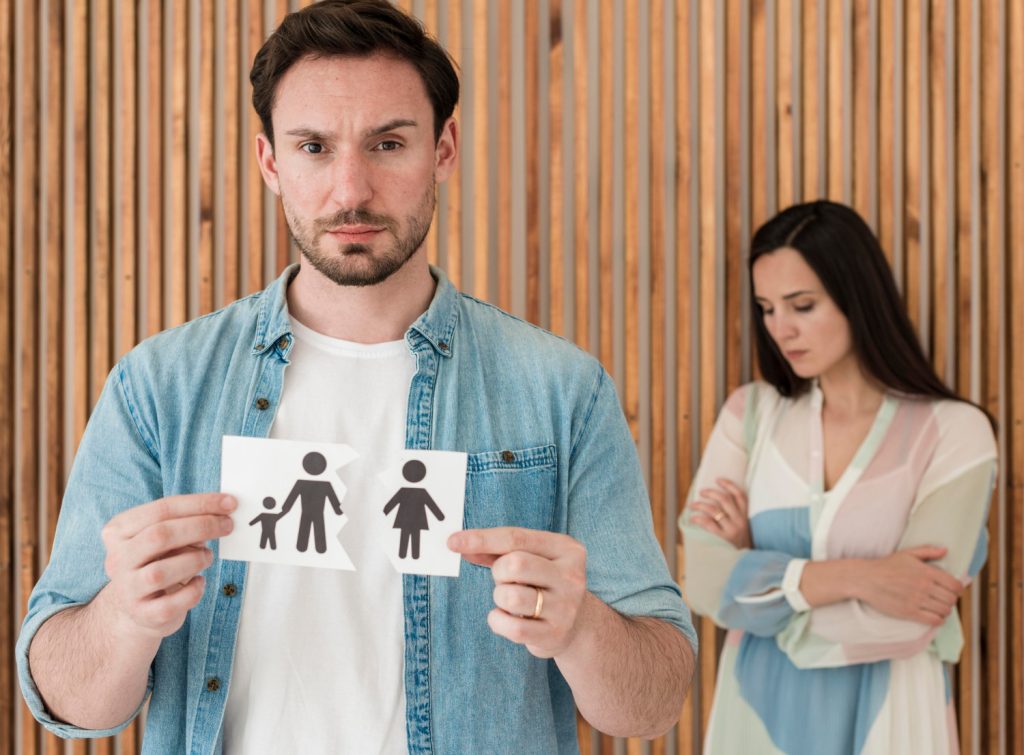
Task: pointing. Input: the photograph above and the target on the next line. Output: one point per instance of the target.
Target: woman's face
(807, 326)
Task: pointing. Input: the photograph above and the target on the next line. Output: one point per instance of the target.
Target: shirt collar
(436, 325)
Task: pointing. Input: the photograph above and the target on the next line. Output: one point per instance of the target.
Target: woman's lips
(793, 355)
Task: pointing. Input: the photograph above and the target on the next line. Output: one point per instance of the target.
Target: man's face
(355, 163)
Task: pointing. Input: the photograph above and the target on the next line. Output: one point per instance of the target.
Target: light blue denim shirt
(548, 449)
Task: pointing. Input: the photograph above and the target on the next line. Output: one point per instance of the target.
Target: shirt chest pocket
(511, 488)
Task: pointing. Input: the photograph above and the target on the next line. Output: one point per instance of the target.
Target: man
(565, 599)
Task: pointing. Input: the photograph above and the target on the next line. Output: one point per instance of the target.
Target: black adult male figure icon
(312, 495)
(412, 505)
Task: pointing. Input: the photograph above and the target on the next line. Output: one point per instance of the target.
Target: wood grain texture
(8, 531)
(109, 236)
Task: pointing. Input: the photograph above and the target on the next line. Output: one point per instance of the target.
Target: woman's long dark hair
(838, 245)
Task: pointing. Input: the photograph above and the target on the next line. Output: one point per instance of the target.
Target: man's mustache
(354, 217)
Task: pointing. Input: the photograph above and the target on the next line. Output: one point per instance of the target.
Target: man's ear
(446, 151)
(267, 162)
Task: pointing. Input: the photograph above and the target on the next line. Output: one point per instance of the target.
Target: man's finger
(498, 541)
(525, 568)
(163, 537)
(129, 523)
(170, 572)
(517, 629)
(518, 600)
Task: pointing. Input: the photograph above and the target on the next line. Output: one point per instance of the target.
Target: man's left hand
(540, 582)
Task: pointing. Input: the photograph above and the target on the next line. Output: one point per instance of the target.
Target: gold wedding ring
(540, 603)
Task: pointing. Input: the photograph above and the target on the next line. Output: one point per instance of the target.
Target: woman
(838, 511)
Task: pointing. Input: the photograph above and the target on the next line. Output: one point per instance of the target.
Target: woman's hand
(722, 511)
(904, 585)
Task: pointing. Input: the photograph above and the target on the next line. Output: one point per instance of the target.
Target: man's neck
(362, 314)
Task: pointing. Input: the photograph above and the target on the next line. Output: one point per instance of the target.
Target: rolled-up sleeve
(115, 468)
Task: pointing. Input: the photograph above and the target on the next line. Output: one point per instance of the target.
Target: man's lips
(355, 233)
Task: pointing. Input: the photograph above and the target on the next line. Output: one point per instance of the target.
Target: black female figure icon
(412, 505)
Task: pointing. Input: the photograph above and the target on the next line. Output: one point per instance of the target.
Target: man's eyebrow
(390, 126)
(307, 133)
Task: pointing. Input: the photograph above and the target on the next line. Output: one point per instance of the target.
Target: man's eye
(312, 148)
(388, 146)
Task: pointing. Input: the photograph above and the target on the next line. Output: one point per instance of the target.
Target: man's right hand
(155, 553)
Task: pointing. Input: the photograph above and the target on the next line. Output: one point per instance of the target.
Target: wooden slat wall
(616, 157)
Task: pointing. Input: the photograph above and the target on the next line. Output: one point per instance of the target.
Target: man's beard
(369, 268)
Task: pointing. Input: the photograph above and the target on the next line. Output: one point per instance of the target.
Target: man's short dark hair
(356, 28)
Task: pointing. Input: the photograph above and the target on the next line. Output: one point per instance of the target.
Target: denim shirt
(548, 447)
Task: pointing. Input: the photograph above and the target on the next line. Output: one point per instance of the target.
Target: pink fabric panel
(873, 517)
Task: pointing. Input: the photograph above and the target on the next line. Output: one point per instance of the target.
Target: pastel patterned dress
(842, 679)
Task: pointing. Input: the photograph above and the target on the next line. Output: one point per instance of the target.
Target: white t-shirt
(319, 659)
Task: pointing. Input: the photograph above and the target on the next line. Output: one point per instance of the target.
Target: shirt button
(262, 403)
(259, 347)
(508, 457)
(282, 343)
(442, 345)
(230, 590)
(212, 684)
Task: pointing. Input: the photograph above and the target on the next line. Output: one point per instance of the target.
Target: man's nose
(351, 180)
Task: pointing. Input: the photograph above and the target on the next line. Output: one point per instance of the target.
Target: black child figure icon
(267, 522)
(412, 505)
(312, 495)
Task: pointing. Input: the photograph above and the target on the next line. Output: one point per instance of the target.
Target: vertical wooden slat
(430, 23)
(631, 390)
(1015, 337)
(943, 193)
(606, 178)
(233, 122)
(709, 131)
(481, 148)
(836, 148)
(504, 165)
(786, 85)
(454, 248)
(912, 166)
(863, 111)
(27, 254)
(8, 533)
(734, 180)
(581, 176)
(811, 129)
(154, 110)
(759, 132)
(176, 256)
(556, 202)
(254, 183)
(282, 242)
(886, 168)
(206, 156)
(655, 282)
(684, 311)
(969, 670)
(101, 317)
(127, 335)
(52, 306)
(993, 198)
